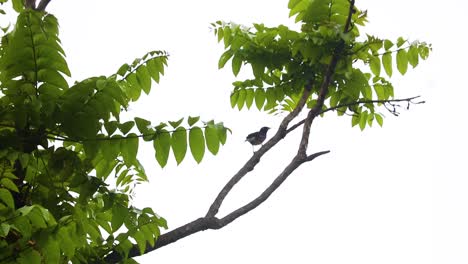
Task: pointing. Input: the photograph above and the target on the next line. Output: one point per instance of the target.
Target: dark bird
(257, 138)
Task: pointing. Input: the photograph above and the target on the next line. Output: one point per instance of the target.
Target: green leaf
(149, 235)
(227, 36)
(129, 149)
(121, 177)
(51, 251)
(363, 120)
(236, 65)
(241, 99)
(52, 77)
(400, 42)
(66, 243)
(375, 65)
(144, 79)
(7, 183)
(388, 44)
(162, 146)
(271, 99)
(380, 91)
(22, 223)
(192, 120)
(387, 63)
(177, 123)
(260, 97)
(18, 5)
(134, 90)
(29, 256)
(233, 98)
(366, 92)
(141, 241)
(212, 141)
(220, 32)
(249, 97)
(7, 198)
(119, 213)
(297, 6)
(126, 127)
(222, 134)
(110, 127)
(36, 218)
(370, 119)
(4, 229)
(155, 68)
(423, 51)
(413, 56)
(379, 119)
(355, 120)
(92, 229)
(224, 58)
(142, 124)
(179, 144)
(123, 69)
(402, 61)
(197, 143)
(258, 69)
(110, 149)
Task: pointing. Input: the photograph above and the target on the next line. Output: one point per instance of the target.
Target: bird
(257, 138)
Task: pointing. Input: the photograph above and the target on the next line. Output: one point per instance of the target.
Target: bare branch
(335, 108)
(30, 4)
(205, 223)
(255, 159)
(42, 5)
(295, 163)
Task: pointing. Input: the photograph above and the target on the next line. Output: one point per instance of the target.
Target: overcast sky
(396, 194)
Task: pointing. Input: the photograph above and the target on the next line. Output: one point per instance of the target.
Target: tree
(55, 137)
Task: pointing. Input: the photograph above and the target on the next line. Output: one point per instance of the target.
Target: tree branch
(30, 4)
(208, 222)
(200, 224)
(292, 166)
(302, 151)
(408, 100)
(42, 5)
(255, 159)
(212, 222)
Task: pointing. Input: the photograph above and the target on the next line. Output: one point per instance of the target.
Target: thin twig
(409, 100)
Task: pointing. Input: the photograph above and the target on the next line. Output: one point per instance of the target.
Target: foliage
(63, 147)
(60, 143)
(284, 61)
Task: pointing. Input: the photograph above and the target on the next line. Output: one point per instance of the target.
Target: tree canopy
(68, 161)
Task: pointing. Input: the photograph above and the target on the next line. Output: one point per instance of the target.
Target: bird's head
(264, 130)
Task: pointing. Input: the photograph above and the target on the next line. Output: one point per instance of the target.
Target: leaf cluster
(284, 62)
(68, 162)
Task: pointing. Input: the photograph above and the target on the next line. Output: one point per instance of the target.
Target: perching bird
(257, 138)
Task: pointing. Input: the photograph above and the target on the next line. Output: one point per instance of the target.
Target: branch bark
(255, 159)
(40, 7)
(211, 222)
(302, 151)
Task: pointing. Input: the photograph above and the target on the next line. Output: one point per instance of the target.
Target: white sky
(396, 194)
